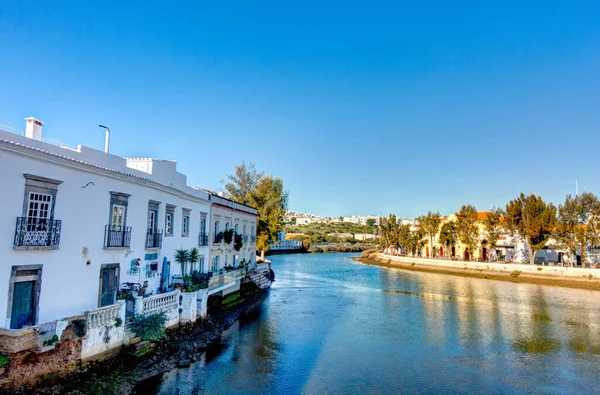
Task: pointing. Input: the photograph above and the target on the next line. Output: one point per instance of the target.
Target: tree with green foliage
(448, 238)
(578, 222)
(532, 219)
(182, 256)
(389, 228)
(429, 224)
(243, 183)
(466, 228)
(403, 239)
(266, 194)
(193, 256)
(493, 228)
(371, 222)
(271, 201)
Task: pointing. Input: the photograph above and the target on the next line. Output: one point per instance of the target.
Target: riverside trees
(532, 219)
(429, 224)
(266, 194)
(466, 228)
(578, 222)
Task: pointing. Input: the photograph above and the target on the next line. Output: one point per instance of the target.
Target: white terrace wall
(103, 331)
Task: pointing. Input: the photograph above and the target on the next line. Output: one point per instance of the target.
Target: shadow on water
(333, 326)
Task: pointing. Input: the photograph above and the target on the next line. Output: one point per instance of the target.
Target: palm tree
(182, 256)
(193, 256)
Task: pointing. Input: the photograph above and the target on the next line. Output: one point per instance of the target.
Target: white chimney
(33, 128)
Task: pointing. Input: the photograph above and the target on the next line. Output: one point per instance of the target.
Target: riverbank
(516, 273)
(119, 375)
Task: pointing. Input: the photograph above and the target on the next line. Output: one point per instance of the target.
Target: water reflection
(332, 326)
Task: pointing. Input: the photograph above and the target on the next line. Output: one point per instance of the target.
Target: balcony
(117, 236)
(202, 240)
(37, 232)
(218, 238)
(154, 238)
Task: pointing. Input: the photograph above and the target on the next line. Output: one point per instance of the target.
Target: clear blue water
(334, 326)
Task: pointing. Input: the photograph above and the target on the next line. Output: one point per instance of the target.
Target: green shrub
(79, 327)
(50, 342)
(150, 327)
(3, 360)
(200, 279)
(118, 322)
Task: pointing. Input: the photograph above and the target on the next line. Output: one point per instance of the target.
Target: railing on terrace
(37, 232)
(224, 279)
(158, 303)
(261, 267)
(154, 238)
(117, 236)
(202, 240)
(104, 316)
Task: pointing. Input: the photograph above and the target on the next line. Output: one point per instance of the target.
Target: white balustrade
(104, 315)
(162, 302)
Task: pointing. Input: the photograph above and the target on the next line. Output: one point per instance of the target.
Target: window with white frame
(236, 229)
(216, 227)
(215, 264)
(185, 223)
(117, 219)
(201, 264)
(169, 220)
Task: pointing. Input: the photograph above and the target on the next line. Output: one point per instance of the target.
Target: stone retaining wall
(557, 272)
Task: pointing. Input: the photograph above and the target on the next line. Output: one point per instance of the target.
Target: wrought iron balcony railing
(202, 240)
(117, 236)
(37, 232)
(154, 238)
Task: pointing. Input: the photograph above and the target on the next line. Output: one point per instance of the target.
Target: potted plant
(182, 256)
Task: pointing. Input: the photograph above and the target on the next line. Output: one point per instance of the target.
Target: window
(216, 227)
(118, 211)
(201, 264)
(117, 219)
(153, 216)
(215, 264)
(203, 226)
(236, 229)
(169, 220)
(244, 230)
(39, 205)
(169, 224)
(226, 226)
(186, 226)
(185, 223)
(152, 219)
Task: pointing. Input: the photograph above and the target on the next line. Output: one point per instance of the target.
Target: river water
(334, 326)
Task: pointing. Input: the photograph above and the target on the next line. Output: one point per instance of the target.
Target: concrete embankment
(548, 275)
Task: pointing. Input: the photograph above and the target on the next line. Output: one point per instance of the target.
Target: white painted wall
(70, 286)
(233, 216)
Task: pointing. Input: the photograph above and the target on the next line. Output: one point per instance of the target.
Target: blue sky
(361, 107)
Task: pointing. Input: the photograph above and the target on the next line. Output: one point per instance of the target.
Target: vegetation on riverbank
(120, 374)
(345, 247)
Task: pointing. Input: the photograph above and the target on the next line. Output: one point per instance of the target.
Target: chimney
(33, 128)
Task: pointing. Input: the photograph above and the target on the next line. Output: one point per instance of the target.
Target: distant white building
(304, 221)
(362, 220)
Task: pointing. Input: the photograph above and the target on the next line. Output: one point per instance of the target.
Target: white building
(362, 219)
(304, 221)
(233, 226)
(77, 223)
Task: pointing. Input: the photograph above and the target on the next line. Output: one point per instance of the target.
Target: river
(334, 326)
